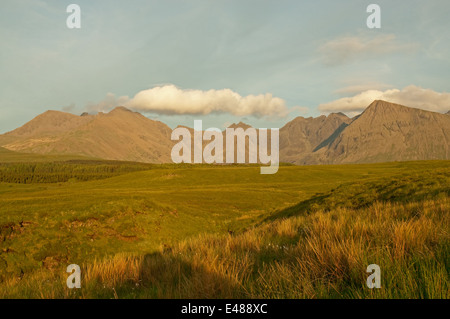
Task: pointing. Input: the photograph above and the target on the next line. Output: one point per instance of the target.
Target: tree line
(56, 172)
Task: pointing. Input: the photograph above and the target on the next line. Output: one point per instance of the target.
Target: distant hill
(383, 132)
(120, 135)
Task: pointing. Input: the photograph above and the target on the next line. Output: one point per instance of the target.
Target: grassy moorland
(206, 231)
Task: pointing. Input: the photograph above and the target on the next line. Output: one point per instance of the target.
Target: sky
(222, 61)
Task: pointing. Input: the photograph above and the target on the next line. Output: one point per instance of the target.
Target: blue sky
(315, 56)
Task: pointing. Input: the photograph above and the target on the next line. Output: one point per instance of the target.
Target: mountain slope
(390, 132)
(119, 135)
(302, 136)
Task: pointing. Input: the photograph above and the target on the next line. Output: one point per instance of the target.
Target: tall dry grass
(320, 255)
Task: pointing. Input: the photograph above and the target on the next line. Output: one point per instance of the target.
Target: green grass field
(153, 231)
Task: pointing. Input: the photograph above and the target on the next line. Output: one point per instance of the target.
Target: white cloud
(347, 49)
(412, 96)
(170, 100)
(358, 88)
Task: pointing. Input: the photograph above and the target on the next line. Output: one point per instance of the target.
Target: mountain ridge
(383, 132)
(390, 132)
(117, 135)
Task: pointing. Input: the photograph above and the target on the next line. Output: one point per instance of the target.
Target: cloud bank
(412, 96)
(171, 100)
(347, 49)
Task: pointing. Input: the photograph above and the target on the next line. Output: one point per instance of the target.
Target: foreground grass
(318, 248)
(321, 255)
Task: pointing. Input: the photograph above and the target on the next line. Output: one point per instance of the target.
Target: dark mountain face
(301, 137)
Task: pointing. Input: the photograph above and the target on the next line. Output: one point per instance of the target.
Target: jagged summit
(382, 106)
(338, 114)
(240, 124)
(391, 132)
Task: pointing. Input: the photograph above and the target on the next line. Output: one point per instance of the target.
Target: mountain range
(383, 132)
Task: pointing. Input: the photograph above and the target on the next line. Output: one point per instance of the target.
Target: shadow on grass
(164, 275)
(304, 207)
